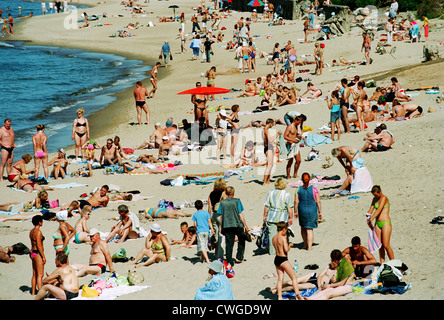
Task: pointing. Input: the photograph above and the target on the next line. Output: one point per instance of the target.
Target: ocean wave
(4, 44)
(117, 63)
(87, 90)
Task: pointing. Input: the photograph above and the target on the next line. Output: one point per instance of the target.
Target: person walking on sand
(293, 138)
(153, 80)
(166, 52)
(183, 40)
(269, 148)
(281, 260)
(7, 145)
(379, 210)
(203, 225)
(366, 46)
(139, 95)
(39, 141)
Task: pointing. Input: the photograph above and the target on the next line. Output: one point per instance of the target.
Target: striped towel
(373, 241)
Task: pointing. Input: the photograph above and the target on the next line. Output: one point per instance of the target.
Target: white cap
(93, 231)
(62, 215)
(156, 227)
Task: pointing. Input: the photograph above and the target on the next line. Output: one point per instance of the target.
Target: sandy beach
(409, 174)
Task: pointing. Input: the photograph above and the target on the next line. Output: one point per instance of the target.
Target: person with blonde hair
(80, 132)
(39, 141)
(216, 196)
(277, 208)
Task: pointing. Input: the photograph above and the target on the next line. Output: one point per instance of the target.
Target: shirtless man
(359, 257)
(40, 152)
(158, 134)
(99, 259)
(245, 56)
(293, 138)
(412, 111)
(366, 45)
(345, 104)
(358, 104)
(126, 227)
(62, 283)
(183, 40)
(7, 146)
(382, 141)
(98, 200)
(139, 94)
(110, 154)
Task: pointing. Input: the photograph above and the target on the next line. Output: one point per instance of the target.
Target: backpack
(387, 277)
(263, 240)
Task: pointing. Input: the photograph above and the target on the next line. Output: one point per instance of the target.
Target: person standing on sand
(166, 52)
(139, 95)
(7, 145)
(153, 80)
(37, 254)
(40, 152)
(293, 138)
(281, 260)
(366, 46)
(11, 24)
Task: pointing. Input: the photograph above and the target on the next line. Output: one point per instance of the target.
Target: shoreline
(111, 112)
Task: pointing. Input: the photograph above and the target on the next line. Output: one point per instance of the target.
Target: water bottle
(295, 265)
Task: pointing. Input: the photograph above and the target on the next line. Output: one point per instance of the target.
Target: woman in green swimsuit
(383, 225)
(64, 234)
(157, 248)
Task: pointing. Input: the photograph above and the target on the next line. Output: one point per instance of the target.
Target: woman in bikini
(399, 91)
(19, 168)
(398, 111)
(291, 97)
(64, 233)
(40, 152)
(315, 91)
(292, 57)
(211, 75)
(276, 58)
(153, 80)
(81, 230)
(200, 104)
(233, 119)
(269, 149)
(157, 248)
(358, 104)
(379, 210)
(60, 164)
(37, 254)
(80, 131)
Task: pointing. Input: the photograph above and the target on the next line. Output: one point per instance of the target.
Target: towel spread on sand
(315, 181)
(113, 293)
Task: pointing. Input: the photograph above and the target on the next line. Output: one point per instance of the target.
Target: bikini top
(78, 124)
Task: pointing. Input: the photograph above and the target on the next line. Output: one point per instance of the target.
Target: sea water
(46, 85)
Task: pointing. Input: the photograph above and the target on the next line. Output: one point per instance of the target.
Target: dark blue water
(46, 85)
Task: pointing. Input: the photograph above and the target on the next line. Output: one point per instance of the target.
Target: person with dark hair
(281, 262)
(341, 284)
(39, 141)
(345, 104)
(335, 113)
(379, 211)
(381, 141)
(7, 146)
(127, 227)
(233, 224)
(62, 283)
(98, 200)
(360, 257)
(140, 94)
(37, 254)
(203, 225)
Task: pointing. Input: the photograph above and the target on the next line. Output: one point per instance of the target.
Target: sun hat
(93, 231)
(358, 163)
(62, 215)
(61, 150)
(169, 123)
(165, 138)
(216, 266)
(156, 227)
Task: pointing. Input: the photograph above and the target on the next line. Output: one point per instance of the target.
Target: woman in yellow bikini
(383, 225)
(157, 248)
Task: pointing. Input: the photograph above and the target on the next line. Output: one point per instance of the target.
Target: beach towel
(345, 269)
(292, 150)
(362, 181)
(373, 241)
(113, 293)
(69, 185)
(303, 293)
(316, 181)
(312, 140)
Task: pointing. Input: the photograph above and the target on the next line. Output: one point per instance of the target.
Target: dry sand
(410, 174)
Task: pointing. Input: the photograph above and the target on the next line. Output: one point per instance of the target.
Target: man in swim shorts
(139, 94)
(366, 44)
(98, 200)
(382, 141)
(7, 146)
(62, 283)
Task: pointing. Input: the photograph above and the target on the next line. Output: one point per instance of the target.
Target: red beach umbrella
(205, 90)
(256, 3)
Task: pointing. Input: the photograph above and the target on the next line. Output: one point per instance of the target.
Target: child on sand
(202, 222)
(186, 234)
(335, 113)
(281, 260)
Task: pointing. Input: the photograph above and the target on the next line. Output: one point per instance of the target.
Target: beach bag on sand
(120, 256)
(229, 271)
(135, 278)
(20, 248)
(88, 292)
